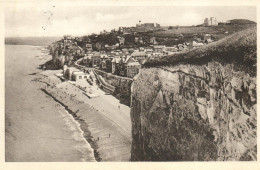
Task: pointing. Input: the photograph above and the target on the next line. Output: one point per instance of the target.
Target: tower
(206, 22)
(139, 24)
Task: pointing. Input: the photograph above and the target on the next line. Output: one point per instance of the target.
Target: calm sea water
(36, 127)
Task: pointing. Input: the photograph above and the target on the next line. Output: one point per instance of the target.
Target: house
(182, 47)
(155, 55)
(89, 47)
(69, 71)
(136, 39)
(139, 40)
(170, 49)
(128, 67)
(139, 55)
(103, 65)
(98, 46)
(206, 37)
(195, 44)
(195, 35)
(112, 47)
(121, 40)
(67, 43)
(180, 36)
(148, 50)
(108, 65)
(96, 59)
(125, 51)
(131, 67)
(87, 60)
(153, 40)
(103, 57)
(78, 75)
(115, 64)
(141, 48)
(121, 67)
(208, 41)
(158, 48)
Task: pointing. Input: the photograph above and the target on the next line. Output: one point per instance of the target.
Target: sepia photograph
(124, 83)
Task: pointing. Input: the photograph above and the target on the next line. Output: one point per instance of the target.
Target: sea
(37, 129)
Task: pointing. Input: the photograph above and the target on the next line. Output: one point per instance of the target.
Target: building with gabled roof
(132, 68)
(115, 64)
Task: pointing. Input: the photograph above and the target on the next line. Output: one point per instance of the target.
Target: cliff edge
(198, 105)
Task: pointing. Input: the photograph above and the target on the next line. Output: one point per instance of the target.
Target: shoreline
(109, 139)
(83, 126)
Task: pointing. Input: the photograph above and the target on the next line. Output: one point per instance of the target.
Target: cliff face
(193, 112)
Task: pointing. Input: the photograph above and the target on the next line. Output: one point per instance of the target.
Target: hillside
(241, 21)
(238, 48)
(34, 41)
(189, 31)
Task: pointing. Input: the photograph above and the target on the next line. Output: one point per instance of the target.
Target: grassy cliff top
(238, 48)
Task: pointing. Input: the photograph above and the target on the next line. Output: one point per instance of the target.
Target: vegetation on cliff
(238, 48)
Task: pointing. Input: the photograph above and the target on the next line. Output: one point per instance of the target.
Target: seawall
(122, 86)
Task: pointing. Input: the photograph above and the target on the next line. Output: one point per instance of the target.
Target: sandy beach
(50, 120)
(107, 127)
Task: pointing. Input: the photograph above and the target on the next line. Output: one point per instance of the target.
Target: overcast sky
(50, 18)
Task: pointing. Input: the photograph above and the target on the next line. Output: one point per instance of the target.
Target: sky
(50, 18)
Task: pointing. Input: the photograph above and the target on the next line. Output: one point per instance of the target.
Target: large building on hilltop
(212, 21)
(147, 26)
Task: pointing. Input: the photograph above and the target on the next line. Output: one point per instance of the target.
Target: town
(123, 51)
(130, 83)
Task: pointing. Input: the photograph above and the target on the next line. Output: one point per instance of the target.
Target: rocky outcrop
(193, 113)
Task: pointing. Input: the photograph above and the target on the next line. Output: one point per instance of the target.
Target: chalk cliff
(198, 108)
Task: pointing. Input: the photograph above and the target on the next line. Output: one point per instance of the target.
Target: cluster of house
(116, 62)
(121, 59)
(128, 61)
